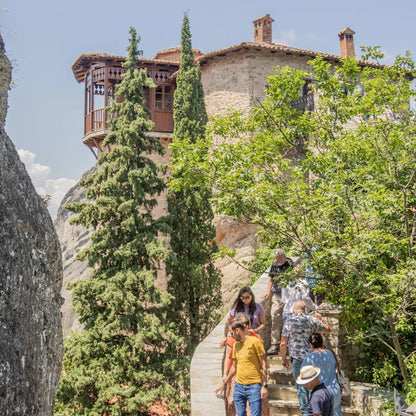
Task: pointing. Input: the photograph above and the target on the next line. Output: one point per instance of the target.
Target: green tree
(128, 358)
(194, 281)
(341, 179)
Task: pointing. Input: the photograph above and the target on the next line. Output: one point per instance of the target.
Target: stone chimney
(346, 42)
(263, 29)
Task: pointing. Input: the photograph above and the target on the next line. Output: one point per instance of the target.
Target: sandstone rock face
(239, 236)
(30, 284)
(73, 239)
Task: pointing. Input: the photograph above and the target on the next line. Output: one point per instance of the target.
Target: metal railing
(304, 103)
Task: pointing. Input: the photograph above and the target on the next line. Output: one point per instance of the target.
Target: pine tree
(194, 281)
(128, 358)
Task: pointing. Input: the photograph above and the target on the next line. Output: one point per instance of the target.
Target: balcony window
(163, 98)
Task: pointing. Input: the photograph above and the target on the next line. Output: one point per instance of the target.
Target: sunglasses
(245, 297)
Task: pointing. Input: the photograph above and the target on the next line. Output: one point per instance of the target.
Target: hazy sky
(44, 37)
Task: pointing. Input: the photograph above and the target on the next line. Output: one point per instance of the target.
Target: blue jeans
(303, 394)
(251, 393)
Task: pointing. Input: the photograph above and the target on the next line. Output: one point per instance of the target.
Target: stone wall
(238, 80)
(30, 283)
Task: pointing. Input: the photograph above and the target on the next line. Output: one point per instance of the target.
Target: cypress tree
(194, 281)
(128, 357)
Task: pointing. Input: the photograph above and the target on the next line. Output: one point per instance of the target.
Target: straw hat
(307, 374)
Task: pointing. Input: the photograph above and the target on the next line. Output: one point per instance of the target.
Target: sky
(43, 38)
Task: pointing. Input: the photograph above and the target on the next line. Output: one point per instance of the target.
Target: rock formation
(238, 236)
(73, 239)
(30, 284)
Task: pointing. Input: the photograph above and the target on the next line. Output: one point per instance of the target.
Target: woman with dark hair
(325, 359)
(246, 303)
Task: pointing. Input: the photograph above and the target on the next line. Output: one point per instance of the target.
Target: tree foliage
(128, 357)
(341, 179)
(189, 114)
(194, 281)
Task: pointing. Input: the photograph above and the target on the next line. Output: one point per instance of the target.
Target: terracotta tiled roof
(169, 51)
(263, 17)
(347, 31)
(84, 61)
(81, 64)
(274, 47)
(173, 49)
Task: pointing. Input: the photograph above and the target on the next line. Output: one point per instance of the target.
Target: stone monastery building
(233, 77)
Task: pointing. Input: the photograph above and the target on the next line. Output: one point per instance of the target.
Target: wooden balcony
(97, 122)
(163, 121)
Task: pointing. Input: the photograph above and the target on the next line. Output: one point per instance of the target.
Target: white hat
(307, 374)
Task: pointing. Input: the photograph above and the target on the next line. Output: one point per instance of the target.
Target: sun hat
(307, 374)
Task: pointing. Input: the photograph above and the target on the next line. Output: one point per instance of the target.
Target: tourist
(296, 290)
(274, 289)
(246, 302)
(250, 369)
(229, 387)
(325, 359)
(295, 335)
(321, 399)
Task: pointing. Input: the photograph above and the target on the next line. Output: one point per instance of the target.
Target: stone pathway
(206, 366)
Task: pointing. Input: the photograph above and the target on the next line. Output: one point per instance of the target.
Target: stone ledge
(369, 398)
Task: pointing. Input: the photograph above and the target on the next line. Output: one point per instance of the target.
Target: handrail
(98, 120)
(304, 103)
(95, 120)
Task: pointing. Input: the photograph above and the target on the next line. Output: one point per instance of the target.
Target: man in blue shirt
(321, 399)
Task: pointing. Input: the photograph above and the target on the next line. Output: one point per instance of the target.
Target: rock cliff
(73, 239)
(30, 284)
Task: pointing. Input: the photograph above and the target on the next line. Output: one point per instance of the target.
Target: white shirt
(298, 290)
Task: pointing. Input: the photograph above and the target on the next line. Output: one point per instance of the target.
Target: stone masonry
(236, 81)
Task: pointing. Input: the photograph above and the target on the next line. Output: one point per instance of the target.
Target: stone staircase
(283, 399)
(366, 399)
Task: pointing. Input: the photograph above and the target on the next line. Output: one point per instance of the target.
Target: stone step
(282, 392)
(284, 408)
(275, 362)
(288, 392)
(281, 376)
(291, 408)
(350, 411)
(279, 367)
(274, 358)
(346, 400)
